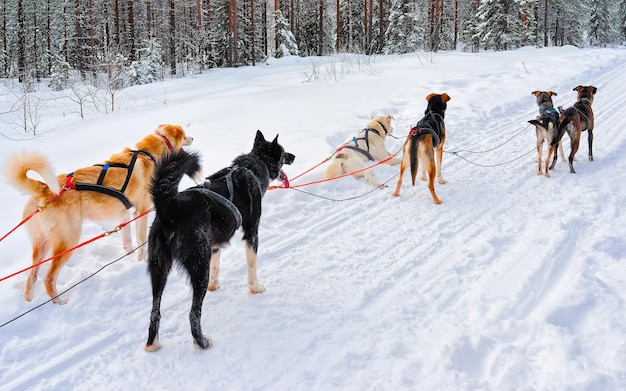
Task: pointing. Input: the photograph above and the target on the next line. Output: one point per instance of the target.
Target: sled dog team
(191, 226)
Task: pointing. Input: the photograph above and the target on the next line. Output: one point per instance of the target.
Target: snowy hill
(515, 282)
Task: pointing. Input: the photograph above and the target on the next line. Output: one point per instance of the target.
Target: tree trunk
(233, 57)
(172, 37)
(116, 17)
(48, 37)
(131, 37)
(545, 24)
(338, 40)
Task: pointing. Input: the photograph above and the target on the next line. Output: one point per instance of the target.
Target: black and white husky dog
(192, 226)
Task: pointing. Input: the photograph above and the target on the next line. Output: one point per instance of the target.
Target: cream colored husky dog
(369, 145)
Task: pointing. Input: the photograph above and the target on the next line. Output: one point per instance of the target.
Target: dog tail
(413, 154)
(167, 175)
(562, 127)
(19, 164)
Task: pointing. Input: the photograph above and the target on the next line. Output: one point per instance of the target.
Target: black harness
(98, 187)
(432, 124)
(579, 107)
(226, 175)
(365, 138)
(548, 113)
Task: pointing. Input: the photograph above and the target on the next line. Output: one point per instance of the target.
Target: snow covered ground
(515, 282)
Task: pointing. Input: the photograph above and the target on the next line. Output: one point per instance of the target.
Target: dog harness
(227, 203)
(577, 107)
(423, 127)
(100, 188)
(367, 131)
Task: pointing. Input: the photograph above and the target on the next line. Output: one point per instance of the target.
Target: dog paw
(152, 348)
(59, 301)
(204, 344)
(395, 194)
(214, 285)
(442, 181)
(256, 288)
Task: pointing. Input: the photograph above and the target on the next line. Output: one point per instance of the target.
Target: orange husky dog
(100, 192)
(426, 138)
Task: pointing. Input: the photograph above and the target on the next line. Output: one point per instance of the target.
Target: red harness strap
(68, 181)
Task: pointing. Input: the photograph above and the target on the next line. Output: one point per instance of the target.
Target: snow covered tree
(499, 24)
(621, 21)
(600, 26)
(287, 44)
(351, 28)
(60, 74)
(149, 67)
(404, 32)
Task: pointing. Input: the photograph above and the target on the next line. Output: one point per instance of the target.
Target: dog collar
(383, 126)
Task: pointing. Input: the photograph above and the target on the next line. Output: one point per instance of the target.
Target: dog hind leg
(440, 162)
(427, 157)
(158, 285)
(590, 141)
(40, 249)
(575, 141)
(214, 274)
(199, 284)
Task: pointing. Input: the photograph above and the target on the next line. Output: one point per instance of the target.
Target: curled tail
(167, 175)
(18, 165)
(413, 154)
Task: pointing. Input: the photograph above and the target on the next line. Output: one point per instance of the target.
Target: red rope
(119, 227)
(332, 179)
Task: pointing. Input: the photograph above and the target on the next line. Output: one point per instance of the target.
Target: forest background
(111, 44)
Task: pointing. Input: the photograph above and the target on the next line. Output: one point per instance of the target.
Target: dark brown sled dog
(426, 138)
(577, 119)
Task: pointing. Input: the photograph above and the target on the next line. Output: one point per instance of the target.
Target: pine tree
(500, 26)
(404, 32)
(287, 45)
(622, 21)
(600, 31)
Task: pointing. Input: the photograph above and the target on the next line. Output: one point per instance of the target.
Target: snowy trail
(513, 283)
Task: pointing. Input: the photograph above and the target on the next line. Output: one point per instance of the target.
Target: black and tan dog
(546, 125)
(426, 138)
(576, 119)
(190, 227)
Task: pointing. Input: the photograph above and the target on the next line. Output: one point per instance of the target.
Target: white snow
(515, 282)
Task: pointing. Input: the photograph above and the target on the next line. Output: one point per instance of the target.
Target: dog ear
(551, 93)
(577, 88)
(429, 96)
(445, 97)
(536, 93)
(594, 89)
(258, 139)
(275, 141)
